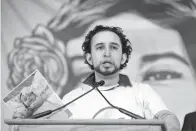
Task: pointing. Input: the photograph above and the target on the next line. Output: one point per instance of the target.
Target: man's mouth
(106, 62)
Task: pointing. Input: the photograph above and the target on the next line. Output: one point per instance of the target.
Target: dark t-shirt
(189, 122)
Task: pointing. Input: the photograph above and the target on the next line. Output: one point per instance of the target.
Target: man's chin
(107, 72)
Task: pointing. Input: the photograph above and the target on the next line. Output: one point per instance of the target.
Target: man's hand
(22, 112)
(171, 121)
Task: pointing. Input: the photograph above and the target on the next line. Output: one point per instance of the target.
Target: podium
(85, 125)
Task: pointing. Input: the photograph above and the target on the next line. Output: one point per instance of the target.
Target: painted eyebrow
(155, 57)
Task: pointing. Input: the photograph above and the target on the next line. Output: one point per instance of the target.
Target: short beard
(106, 73)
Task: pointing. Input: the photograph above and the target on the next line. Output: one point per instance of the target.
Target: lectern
(85, 125)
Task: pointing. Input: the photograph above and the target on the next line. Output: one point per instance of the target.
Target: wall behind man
(20, 19)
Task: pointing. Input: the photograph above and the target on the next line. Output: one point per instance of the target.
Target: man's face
(106, 53)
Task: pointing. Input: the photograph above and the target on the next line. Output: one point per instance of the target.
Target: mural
(161, 33)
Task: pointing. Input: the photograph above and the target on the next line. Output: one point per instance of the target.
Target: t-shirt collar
(123, 80)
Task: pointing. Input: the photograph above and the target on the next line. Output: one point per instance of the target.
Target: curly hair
(126, 44)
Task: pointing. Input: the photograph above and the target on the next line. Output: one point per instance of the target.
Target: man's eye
(161, 75)
(99, 48)
(114, 48)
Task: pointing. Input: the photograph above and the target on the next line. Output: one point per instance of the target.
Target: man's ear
(124, 58)
(89, 58)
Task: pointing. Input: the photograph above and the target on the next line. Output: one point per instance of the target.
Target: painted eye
(161, 75)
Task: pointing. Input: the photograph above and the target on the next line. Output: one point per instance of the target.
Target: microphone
(47, 112)
(126, 112)
(100, 83)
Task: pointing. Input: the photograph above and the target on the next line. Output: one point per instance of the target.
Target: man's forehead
(105, 37)
(106, 33)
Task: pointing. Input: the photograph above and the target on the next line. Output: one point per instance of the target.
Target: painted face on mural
(158, 58)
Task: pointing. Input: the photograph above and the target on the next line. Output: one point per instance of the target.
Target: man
(107, 51)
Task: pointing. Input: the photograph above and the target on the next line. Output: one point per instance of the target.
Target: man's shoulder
(141, 89)
(139, 86)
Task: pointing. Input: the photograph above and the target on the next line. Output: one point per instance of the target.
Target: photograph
(32, 96)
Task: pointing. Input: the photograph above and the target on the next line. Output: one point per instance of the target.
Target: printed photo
(32, 96)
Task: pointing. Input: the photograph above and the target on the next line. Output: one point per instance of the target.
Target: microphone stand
(47, 112)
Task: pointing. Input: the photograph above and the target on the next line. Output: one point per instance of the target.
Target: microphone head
(101, 83)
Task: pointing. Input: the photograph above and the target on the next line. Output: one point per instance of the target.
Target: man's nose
(107, 52)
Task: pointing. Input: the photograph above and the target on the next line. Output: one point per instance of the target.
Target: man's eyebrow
(155, 57)
(97, 44)
(114, 43)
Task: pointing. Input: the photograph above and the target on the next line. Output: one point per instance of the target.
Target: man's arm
(171, 121)
(155, 108)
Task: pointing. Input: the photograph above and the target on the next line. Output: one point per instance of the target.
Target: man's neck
(109, 80)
